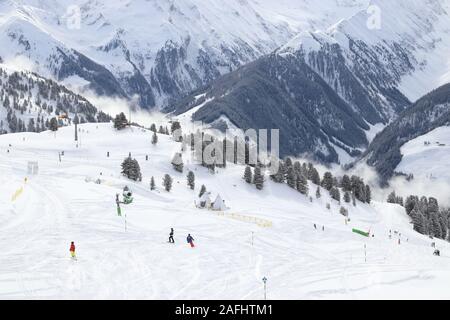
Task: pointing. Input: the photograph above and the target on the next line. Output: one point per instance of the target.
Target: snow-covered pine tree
(152, 184)
(302, 184)
(335, 194)
(258, 178)
(346, 183)
(177, 162)
(410, 204)
(202, 191)
(175, 128)
(248, 174)
(392, 197)
(291, 177)
(327, 181)
(433, 206)
(154, 138)
(167, 182)
(418, 220)
(347, 197)
(120, 121)
(288, 162)
(298, 167)
(318, 194)
(313, 175)
(131, 169)
(53, 124)
(343, 211)
(153, 128)
(436, 230)
(191, 180)
(279, 177)
(368, 194)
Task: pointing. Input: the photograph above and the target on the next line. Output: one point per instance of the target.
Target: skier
(72, 251)
(315, 227)
(190, 240)
(171, 236)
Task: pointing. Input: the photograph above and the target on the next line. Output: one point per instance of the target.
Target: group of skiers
(189, 239)
(315, 227)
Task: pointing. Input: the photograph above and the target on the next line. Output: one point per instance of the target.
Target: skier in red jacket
(72, 250)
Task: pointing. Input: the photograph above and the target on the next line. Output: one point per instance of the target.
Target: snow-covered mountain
(29, 101)
(429, 113)
(153, 51)
(334, 89)
(426, 157)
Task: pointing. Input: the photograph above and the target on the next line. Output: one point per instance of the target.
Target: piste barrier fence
(263, 223)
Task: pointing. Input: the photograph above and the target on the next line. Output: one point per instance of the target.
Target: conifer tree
(346, 183)
(313, 175)
(248, 177)
(347, 197)
(167, 182)
(131, 169)
(368, 194)
(120, 121)
(258, 178)
(318, 194)
(418, 220)
(152, 184)
(154, 138)
(392, 197)
(191, 180)
(327, 181)
(177, 162)
(53, 124)
(343, 211)
(202, 191)
(279, 177)
(335, 194)
(302, 185)
(291, 177)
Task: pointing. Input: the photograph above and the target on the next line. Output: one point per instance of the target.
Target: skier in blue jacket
(190, 240)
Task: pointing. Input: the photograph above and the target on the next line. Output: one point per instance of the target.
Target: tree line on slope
(427, 217)
(32, 103)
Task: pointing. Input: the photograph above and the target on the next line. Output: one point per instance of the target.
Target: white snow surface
(429, 162)
(60, 205)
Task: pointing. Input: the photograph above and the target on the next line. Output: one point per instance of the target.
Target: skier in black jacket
(171, 236)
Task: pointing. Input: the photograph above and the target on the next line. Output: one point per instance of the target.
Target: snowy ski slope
(428, 161)
(61, 204)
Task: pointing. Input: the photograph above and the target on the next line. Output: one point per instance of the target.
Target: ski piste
(299, 261)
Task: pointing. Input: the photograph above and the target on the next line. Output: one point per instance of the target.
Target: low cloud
(116, 105)
(20, 63)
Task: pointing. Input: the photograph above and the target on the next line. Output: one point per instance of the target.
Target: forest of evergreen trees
(31, 102)
(427, 217)
(294, 173)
